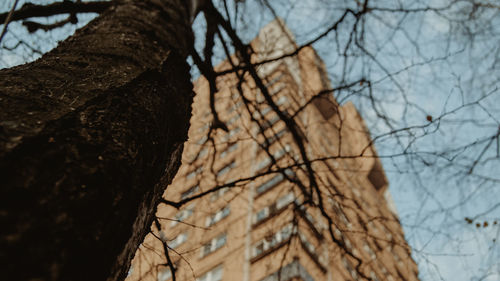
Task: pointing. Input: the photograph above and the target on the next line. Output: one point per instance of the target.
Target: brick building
(268, 228)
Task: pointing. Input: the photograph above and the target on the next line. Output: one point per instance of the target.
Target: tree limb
(29, 10)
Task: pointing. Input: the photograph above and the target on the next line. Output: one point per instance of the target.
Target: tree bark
(90, 136)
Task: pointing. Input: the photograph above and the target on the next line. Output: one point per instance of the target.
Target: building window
(262, 214)
(234, 131)
(234, 106)
(387, 274)
(214, 244)
(226, 169)
(221, 214)
(195, 172)
(397, 258)
(350, 268)
(291, 271)
(309, 247)
(202, 140)
(164, 274)
(265, 111)
(337, 209)
(229, 149)
(231, 133)
(282, 100)
(270, 242)
(372, 226)
(270, 183)
(369, 251)
(273, 181)
(307, 215)
(284, 200)
(182, 215)
(269, 123)
(178, 240)
(200, 154)
(277, 90)
(203, 128)
(274, 208)
(277, 156)
(338, 234)
(348, 244)
(217, 194)
(233, 119)
(189, 192)
(388, 234)
(213, 275)
(206, 114)
(276, 136)
(274, 80)
(374, 276)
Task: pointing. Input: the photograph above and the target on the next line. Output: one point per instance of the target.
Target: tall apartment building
(266, 229)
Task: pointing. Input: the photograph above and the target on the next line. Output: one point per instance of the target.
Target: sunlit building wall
(268, 228)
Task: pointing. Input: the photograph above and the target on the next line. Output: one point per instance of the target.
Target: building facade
(261, 217)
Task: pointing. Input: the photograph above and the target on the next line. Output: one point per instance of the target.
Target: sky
(421, 64)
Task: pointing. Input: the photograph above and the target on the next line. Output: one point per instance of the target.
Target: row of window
(274, 80)
(231, 133)
(164, 274)
(275, 90)
(291, 271)
(202, 140)
(228, 136)
(221, 172)
(232, 147)
(273, 181)
(234, 106)
(216, 194)
(338, 211)
(282, 235)
(350, 268)
(340, 236)
(191, 191)
(312, 250)
(182, 215)
(276, 136)
(197, 171)
(269, 123)
(204, 151)
(186, 213)
(277, 156)
(218, 216)
(369, 251)
(224, 170)
(178, 240)
(212, 275)
(213, 245)
(232, 119)
(281, 100)
(200, 154)
(307, 244)
(274, 208)
(270, 242)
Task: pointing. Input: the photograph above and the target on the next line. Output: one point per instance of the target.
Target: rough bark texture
(90, 135)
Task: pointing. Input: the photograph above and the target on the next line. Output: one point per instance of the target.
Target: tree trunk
(90, 136)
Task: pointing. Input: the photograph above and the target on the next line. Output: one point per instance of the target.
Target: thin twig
(7, 20)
